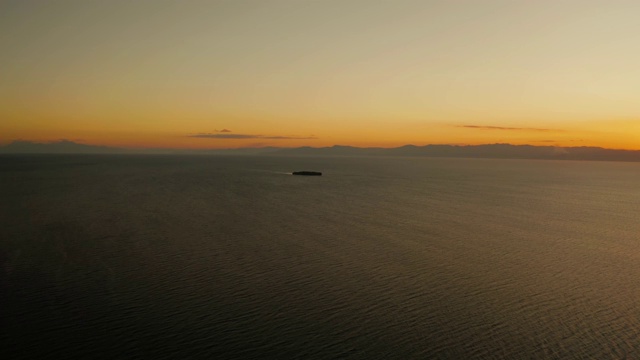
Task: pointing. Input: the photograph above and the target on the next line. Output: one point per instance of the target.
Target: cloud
(227, 135)
(224, 131)
(485, 127)
(223, 136)
(288, 137)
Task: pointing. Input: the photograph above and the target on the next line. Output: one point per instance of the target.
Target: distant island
(489, 151)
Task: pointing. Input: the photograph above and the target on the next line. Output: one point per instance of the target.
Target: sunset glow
(229, 74)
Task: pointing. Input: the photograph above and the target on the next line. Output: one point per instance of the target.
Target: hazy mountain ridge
(71, 147)
(58, 147)
(498, 151)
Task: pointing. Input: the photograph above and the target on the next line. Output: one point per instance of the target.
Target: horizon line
(142, 148)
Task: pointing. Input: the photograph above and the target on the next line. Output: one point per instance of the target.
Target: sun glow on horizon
(287, 74)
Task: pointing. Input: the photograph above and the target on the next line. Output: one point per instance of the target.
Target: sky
(287, 73)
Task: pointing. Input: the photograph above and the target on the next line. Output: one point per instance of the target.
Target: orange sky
(318, 73)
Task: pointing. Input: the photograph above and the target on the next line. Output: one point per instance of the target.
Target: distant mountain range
(71, 147)
(495, 151)
(58, 147)
(492, 151)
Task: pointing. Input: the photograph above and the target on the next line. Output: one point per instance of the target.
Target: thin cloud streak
(486, 127)
(249, 136)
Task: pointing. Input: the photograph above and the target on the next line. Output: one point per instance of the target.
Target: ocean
(218, 257)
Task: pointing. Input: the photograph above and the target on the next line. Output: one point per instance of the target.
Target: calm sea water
(232, 257)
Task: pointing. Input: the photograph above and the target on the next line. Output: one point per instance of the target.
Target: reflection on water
(172, 257)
